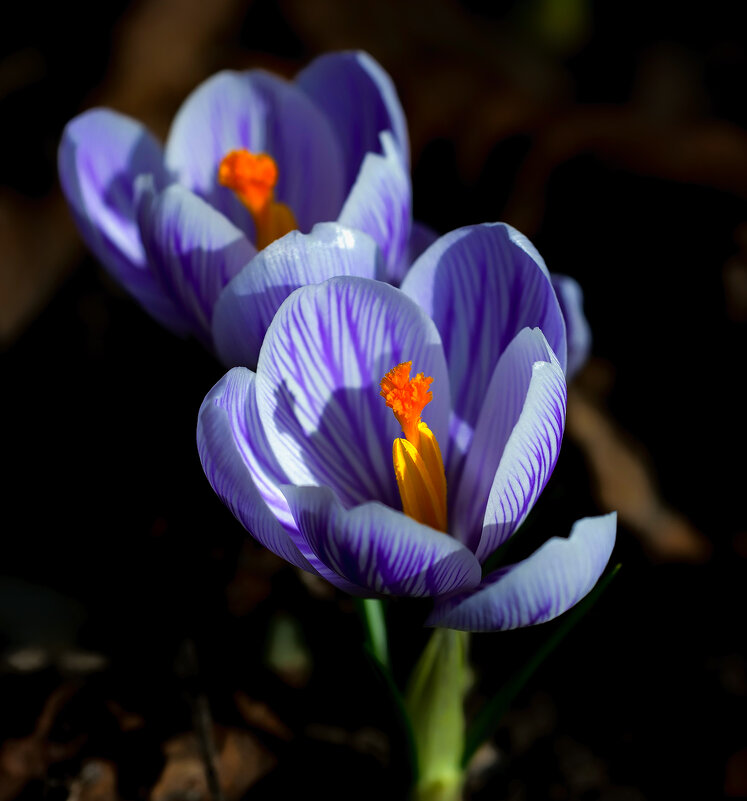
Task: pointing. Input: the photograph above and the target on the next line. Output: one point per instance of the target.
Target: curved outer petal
(578, 332)
(379, 549)
(318, 381)
(380, 203)
(543, 586)
(100, 156)
(263, 114)
(194, 250)
(482, 285)
(528, 457)
(249, 302)
(506, 403)
(360, 101)
(239, 466)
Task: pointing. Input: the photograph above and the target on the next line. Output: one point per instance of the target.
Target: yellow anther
(253, 177)
(418, 465)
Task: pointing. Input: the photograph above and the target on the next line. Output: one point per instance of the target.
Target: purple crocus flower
(309, 456)
(250, 157)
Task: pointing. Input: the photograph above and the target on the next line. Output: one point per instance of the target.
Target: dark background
(612, 134)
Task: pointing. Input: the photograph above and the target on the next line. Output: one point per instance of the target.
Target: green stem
(372, 613)
(435, 703)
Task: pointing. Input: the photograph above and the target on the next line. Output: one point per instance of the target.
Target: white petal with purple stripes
(571, 299)
(246, 308)
(318, 380)
(543, 586)
(528, 458)
(261, 113)
(482, 285)
(360, 102)
(378, 549)
(240, 468)
(504, 403)
(194, 250)
(101, 155)
(380, 203)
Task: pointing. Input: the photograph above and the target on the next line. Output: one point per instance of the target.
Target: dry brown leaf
(258, 715)
(97, 782)
(25, 759)
(625, 482)
(242, 760)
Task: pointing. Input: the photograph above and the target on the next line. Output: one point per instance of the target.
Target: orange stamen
(253, 177)
(406, 397)
(418, 465)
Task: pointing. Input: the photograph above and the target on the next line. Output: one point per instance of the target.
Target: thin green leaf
(490, 715)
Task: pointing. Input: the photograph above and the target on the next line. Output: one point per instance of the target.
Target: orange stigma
(418, 465)
(406, 397)
(253, 177)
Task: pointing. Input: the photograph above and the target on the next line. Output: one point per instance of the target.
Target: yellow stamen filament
(418, 465)
(253, 177)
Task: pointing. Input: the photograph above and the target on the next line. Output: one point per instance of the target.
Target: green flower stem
(435, 703)
(372, 613)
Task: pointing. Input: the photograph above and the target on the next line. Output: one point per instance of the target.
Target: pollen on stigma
(252, 177)
(418, 464)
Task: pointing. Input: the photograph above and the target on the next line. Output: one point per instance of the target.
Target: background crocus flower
(250, 157)
(309, 455)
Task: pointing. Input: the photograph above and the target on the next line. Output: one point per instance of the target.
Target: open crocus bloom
(249, 158)
(466, 361)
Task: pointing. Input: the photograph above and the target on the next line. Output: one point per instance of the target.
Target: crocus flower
(391, 439)
(249, 158)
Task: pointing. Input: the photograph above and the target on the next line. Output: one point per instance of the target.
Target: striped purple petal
(543, 586)
(360, 102)
(528, 458)
(193, 249)
(380, 203)
(571, 299)
(506, 404)
(262, 113)
(378, 549)
(101, 155)
(246, 308)
(240, 467)
(318, 378)
(482, 285)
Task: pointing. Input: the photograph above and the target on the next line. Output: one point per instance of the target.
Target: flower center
(418, 464)
(253, 177)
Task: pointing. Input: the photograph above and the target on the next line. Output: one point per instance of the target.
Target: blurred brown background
(613, 135)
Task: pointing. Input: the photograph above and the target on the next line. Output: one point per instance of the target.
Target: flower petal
(194, 250)
(578, 333)
(249, 302)
(543, 586)
(360, 101)
(380, 203)
(379, 549)
(240, 467)
(100, 156)
(528, 458)
(263, 114)
(503, 406)
(318, 378)
(482, 285)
